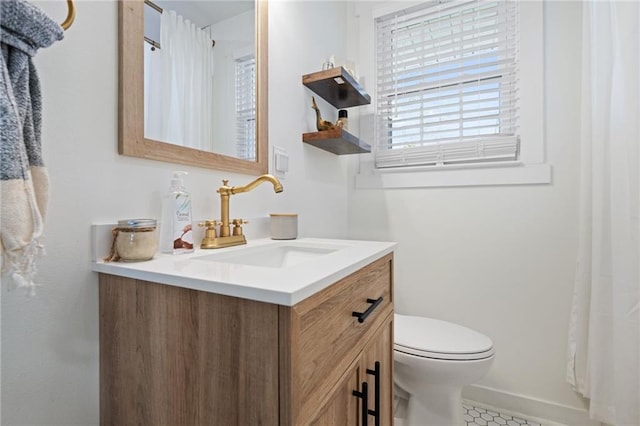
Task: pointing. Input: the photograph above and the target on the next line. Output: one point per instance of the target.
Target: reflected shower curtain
(183, 96)
(604, 336)
(152, 93)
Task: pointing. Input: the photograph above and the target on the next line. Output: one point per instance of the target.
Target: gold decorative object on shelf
(320, 123)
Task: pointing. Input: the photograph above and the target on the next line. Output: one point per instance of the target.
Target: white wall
(498, 259)
(50, 341)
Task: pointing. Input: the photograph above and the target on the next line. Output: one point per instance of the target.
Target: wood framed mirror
(131, 135)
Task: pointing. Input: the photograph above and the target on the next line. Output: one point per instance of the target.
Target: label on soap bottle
(182, 225)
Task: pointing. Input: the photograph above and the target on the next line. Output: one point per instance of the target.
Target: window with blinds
(245, 71)
(446, 84)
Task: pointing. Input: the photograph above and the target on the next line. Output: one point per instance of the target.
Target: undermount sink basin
(274, 255)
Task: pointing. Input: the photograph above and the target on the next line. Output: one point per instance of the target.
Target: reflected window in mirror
(245, 79)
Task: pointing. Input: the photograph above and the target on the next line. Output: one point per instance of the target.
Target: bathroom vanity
(274, 333)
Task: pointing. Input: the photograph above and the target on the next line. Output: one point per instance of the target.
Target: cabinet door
(372, 373)
(376, 368)
(343, 407)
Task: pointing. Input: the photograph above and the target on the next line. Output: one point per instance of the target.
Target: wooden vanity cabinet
(175, 356)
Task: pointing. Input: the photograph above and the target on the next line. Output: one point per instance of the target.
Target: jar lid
(137, 223)
(342, 113)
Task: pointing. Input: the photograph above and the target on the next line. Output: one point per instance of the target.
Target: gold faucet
(226, 238)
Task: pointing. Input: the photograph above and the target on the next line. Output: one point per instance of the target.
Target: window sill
(451, 176)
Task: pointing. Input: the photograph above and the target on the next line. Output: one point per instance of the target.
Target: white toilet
(434, 359)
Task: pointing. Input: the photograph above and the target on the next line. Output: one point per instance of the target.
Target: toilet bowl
(433, 360)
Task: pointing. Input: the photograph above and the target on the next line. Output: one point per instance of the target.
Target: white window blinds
(246, 108)
(446, 84)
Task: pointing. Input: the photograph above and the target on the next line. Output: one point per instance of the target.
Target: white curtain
(184, 95)
(604, 336)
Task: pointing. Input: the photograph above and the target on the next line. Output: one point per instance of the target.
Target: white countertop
(284, 286)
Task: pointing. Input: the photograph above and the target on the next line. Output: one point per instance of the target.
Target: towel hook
(70, 16)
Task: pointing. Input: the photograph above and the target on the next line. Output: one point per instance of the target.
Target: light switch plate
(280, 162)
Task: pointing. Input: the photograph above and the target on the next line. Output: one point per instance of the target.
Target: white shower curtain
(604, 336)
(186, 90)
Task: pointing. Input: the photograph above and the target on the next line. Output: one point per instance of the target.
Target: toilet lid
(434, 338)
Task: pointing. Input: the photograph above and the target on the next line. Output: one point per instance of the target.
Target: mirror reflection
(235, 114)
(200, 75)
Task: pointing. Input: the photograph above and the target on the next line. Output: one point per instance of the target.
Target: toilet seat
(432, 338)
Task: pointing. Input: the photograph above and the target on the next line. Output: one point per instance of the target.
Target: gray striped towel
(24, 181)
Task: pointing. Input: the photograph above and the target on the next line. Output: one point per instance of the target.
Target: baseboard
(546, 412)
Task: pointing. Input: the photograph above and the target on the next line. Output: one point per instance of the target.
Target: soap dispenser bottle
(176, 236)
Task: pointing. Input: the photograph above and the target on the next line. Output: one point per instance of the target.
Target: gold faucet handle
(210, 228)
(237, 226)
(210, 223)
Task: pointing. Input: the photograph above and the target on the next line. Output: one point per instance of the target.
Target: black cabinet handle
(363, 315)
(364, 402)
(376, 410)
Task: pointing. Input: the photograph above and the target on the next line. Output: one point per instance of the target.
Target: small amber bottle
(343, 120)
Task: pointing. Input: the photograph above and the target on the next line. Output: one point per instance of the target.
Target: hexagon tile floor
(476, 416)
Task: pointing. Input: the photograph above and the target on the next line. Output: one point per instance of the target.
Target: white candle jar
(283, 226)
(135, 240)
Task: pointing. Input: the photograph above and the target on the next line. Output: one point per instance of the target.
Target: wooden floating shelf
(337, 87)
(337, 141)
